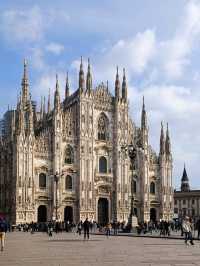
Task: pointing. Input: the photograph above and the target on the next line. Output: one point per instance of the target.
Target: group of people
(163, 228)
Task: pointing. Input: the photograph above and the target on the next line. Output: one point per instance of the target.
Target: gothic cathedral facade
(66, 162)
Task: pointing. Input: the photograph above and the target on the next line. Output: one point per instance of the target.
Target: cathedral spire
(162, 140)
(30, 118)
(167, 143)
(144, 127)
(49, 103)
(57, 95)
(67, 87)
(143, 116)
(124, 86)
(81, 76)
(25, 84)
(185, 186)
(44, 106)
(117, 85)
(41, 108)
(89, 77)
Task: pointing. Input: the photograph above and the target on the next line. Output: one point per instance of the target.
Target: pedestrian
(187, 229)
(50, 229)
(79, 228)
(3, 230)
(198, 228)
(86, 228)
(108, 229)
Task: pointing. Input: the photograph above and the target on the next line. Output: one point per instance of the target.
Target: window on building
(175, 202)
(193, 212)
(175, 210)
(183, 201)
(29, 182)
(20, 200)
(102, 165)
(152, 188)
(68, 182)
(103, 127)
(134, 186)
(193, 201)
(69, 155)
(42, 180)
(20, 181)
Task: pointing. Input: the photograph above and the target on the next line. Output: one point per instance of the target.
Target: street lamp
(56, 179)
(132, 153)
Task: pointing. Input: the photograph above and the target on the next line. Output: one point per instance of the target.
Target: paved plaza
(70, 249)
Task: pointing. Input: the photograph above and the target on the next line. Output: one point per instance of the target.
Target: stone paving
(69, 249)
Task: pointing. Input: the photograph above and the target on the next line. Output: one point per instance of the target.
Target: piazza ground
(70, 249)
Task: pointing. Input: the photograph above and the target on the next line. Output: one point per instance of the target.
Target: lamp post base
(132, 223)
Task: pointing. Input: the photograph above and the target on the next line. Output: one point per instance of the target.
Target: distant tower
(185, 181)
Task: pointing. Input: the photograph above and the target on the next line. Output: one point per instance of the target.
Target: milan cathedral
(66, 161)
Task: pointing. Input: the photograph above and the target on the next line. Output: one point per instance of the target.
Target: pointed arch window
(69, 155)
(134, 186)
(152, 188)
(102, 165)
(103, 127)
(42, 180)
(68, 182)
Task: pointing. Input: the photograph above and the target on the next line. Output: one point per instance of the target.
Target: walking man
(187, 229)
(3, 230)
(86, 228)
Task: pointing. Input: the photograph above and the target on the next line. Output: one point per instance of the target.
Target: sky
(156, 41)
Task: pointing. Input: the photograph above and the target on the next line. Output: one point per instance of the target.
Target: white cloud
(23, 26)
(30, 25)
(55, 48)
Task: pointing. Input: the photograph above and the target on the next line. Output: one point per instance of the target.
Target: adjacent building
(186, 201)
(66, 161)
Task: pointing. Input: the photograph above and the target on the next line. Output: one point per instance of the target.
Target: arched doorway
(68, 214)
(42, 214)
(103, 211)
(153, 214)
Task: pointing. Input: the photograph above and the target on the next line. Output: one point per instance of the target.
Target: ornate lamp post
(132, 153)
(56, 179)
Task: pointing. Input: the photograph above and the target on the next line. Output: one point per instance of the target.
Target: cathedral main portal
(103, 211)
(42, 214)
(68, 214)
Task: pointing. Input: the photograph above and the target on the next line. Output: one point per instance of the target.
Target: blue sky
(156, 41)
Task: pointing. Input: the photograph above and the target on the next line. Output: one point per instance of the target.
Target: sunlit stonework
(80, 139)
